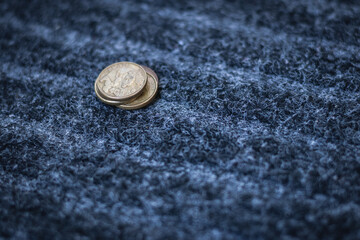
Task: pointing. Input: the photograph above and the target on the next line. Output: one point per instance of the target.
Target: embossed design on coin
(121, 81)
(147, 96)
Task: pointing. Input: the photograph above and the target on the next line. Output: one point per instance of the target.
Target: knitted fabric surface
(255, 133)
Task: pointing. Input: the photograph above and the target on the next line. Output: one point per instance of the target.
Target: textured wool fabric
(255, 133)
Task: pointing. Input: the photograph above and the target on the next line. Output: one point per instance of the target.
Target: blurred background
(255, 133)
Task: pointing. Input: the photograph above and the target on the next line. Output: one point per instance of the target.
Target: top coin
(121, 81)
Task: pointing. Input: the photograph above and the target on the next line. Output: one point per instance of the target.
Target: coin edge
(110, 102)
(151, 71)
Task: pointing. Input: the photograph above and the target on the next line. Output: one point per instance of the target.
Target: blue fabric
(255, 133)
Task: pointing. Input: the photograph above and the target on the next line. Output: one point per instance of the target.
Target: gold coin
(121, 81)
(147, 96)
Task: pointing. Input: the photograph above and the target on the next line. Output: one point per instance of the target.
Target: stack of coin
(127, 85)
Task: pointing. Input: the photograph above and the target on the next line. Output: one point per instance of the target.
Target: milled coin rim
(110, 102)
(128, 97)
(128, 106)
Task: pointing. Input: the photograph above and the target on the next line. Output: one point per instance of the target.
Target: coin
(121, 81)
(147, 96)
